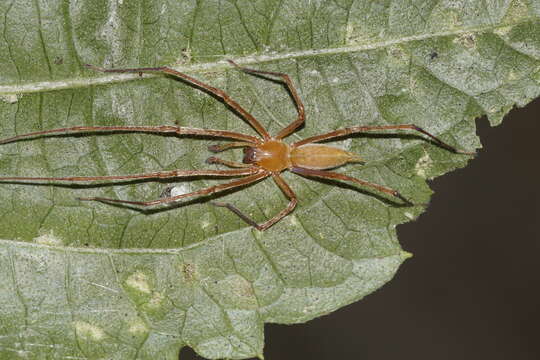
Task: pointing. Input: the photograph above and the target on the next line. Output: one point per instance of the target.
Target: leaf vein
(39, 86)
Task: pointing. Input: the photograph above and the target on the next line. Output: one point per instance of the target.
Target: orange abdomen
(319, 157)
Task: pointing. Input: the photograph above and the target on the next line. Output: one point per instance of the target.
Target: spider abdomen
(320, 157)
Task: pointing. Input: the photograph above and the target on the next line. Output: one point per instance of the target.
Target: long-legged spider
(264, 156)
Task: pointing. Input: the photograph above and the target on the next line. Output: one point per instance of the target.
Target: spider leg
(233, 164)
(239, 213)
(217, 92)
(298, 102)
(152, 175)
(361, 129)
(334, 175)
(209, 190)
(144, 129)
(292, 203)
(223, 147)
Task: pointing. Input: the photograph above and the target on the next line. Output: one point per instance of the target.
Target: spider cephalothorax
(264, 155)
(272, 155)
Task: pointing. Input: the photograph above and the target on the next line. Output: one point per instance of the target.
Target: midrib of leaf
(147, 251)
(39, 86)
(96, 250)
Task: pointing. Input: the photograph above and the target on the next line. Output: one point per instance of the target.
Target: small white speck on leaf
(512, 76)
(467, 40)
(10, 98)
(156, 300)
(293, 220)
(138, 327)
(503, 30)
(205, 220)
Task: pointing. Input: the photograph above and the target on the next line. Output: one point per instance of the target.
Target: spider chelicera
(264, 156)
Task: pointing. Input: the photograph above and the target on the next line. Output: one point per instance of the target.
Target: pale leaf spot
(89, 331)
(48, 239)
(422, 165)
(139, 281)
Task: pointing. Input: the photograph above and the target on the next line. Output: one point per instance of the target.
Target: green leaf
(90, 280)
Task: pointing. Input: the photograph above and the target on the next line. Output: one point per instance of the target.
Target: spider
(264, 155)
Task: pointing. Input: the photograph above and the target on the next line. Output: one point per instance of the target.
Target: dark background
(472, 289)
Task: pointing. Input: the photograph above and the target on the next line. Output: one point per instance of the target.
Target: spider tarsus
(233, 63)
(98, 199)
(470, 153)
(242, 216)
(219, 204)
(402, 198)
(214, 148)
(443, 144)
(410, 203)
(95, 68)
(101, 69)
(458, 151)
(212, 160)
(241, 68)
